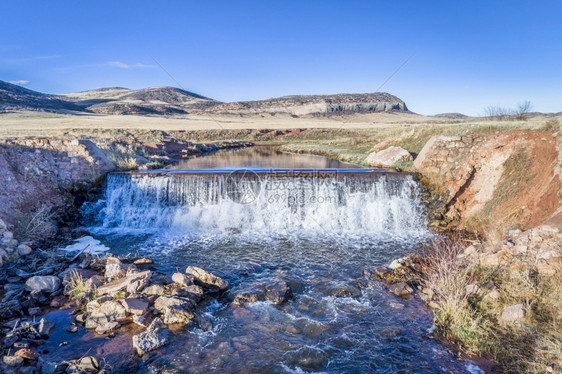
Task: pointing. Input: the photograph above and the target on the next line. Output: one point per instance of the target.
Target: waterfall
(271, 202)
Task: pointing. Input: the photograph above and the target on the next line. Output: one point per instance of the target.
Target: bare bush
(498, 113)
(523, 108)
(444, 272)
(37, 224)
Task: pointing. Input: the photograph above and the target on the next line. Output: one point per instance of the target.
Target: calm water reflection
(263, 156)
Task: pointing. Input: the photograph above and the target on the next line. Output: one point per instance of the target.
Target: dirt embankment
(39, 177)
(512, 178)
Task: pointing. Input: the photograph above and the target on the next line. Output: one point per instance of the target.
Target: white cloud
(122, 65)
(21, 82)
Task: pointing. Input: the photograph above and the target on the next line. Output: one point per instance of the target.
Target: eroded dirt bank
(511, 178)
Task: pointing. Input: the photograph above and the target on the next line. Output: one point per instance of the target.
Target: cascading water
(270, 202)
(317, 230)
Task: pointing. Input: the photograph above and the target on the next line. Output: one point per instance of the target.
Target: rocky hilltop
(171, 101)
(310, 104)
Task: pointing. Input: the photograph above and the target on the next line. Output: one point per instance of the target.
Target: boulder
(107, 327)
(183, 280)
(384, 273)
(176, 314)
(193, 292)
(13, 361)
(388, 157)
(248, 297)
(143, 261)
(39, 297)
(163, 302)
(123, 283)
(108, 311)
(58, 301)
(496, 259)
(137, 286)
(154, 289)
(35, 311)
(27, 353)
(549, 267)
(140, 320)
(397, 263)
(344, 291)
(492, 295)
(43, 283)
(89, 363)
(45, 327)
(115, 268)
(513, 313)
(206, 279)
(93, 283)
(401, 289)
(24, 250)
(135, 306)
(278, 293)
(155, 336)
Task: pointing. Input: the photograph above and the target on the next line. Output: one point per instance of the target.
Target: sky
(437, 56)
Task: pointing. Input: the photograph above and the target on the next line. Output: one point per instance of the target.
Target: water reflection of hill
(259, 156)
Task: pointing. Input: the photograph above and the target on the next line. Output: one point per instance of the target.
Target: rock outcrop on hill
(172, 101)
(317, 104)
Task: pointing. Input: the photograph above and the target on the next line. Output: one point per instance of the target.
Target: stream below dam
(256, 216)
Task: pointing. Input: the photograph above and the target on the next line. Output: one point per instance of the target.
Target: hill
(14, 98)
(172, 101)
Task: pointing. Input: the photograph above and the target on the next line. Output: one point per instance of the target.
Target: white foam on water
(87, 244)
(199, 204)
(474, 369)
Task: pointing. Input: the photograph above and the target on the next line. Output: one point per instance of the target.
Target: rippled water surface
(338, 321)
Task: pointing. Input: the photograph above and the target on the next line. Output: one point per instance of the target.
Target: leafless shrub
(37, 224)
(498, 113)
(523, 108)
(444, 272)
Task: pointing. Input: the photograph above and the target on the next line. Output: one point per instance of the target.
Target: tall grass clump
(466, 316)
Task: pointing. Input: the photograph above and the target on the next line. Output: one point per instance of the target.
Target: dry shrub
(473, 322)
(35, 224)
(448, 276)
(552, 124)
(74, 284)
(123, 156)
(442, 269)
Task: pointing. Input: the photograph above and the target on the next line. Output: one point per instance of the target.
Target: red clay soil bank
(512, 176)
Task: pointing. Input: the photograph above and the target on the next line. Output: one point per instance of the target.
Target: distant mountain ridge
(175, 101)
(14, 96)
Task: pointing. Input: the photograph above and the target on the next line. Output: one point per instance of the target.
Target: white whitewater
(358, 204)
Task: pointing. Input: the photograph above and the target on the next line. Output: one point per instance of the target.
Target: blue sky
(464, 55)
